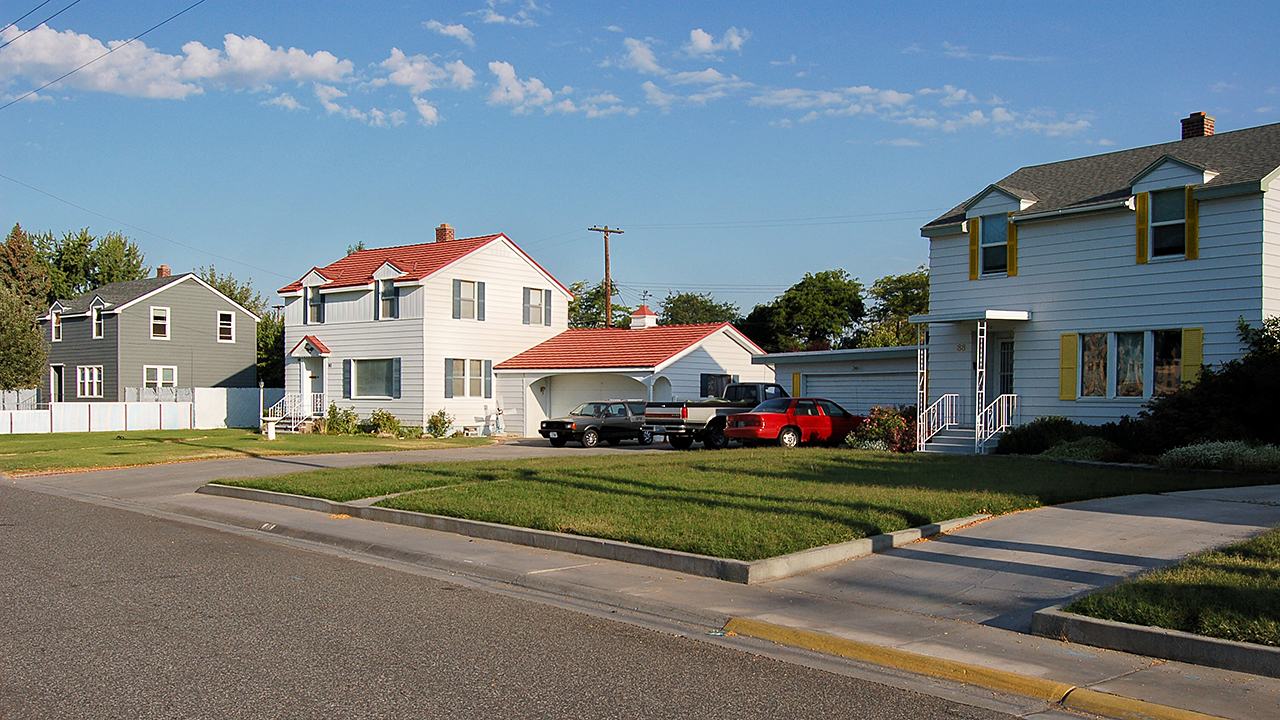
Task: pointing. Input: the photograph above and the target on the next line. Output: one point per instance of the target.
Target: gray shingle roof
(118, 293)
(1239, 156)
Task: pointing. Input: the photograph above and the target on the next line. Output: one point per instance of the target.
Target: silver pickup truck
(703, 420)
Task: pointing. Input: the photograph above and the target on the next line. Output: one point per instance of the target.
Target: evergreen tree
(22, 347)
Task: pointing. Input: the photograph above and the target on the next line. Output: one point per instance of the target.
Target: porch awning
(971, 316)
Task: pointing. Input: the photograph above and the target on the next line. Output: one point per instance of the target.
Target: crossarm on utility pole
(608, 284)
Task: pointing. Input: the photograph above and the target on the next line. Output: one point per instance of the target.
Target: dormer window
(1169, 223)
(315, 307)
(55, 327)
(388, 300)
(994, 244)
(96, 314)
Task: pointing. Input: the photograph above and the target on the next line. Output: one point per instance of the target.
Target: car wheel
(681, 442)
(558, 442)
(590, 438)
(789, 437)
(714, 439)
(645, 438)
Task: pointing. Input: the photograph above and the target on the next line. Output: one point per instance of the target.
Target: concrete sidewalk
(965, 597)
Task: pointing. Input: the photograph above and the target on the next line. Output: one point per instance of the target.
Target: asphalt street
(106, 613)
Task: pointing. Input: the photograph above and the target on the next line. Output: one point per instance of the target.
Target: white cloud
(420, 74)
(614, 28)
(1001, 115)
(703, 43)
(952, 95)
(285, 101)
(654, 95)
(136, 70)
(1106, 142)
(799, 99)
(900, 142)
(792, 61)
(328, 96)
(710, 76)
(459, 31)
(522, 95)
(604, 98)
(640, 57)
(427, 112)
(973, 118)
(522, 16)
(1222, 86)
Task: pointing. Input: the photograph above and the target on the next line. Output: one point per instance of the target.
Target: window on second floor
(55, 327)
(468, 299)
(226, 326)
(96, 314)
(537, 306)
(315, 306)
(1169, 223)
(994, 244)
(159, 323)
(388, 300)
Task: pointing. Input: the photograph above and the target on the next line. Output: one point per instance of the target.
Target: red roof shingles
(315, 342)
(612, 347)
(414, 261)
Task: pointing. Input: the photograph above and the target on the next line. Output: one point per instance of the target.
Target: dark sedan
(591, 422)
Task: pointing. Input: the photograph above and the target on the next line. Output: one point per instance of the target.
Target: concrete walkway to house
(967, 596)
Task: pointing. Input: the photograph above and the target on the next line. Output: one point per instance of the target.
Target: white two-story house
(1082, 288)
(417, 328)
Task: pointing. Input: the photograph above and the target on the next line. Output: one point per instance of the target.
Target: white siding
(366, 341)
(994, 203)
(1271, 252)
(1079, 274)
(348, 307)
(718, 354)
(1169, 174)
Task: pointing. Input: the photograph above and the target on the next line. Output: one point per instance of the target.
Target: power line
(117, 47)
(33, 27)
(24, 17)
(810, 221)
(144, 230)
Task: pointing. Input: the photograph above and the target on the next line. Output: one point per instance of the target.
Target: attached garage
(856, 379)
(568, 391)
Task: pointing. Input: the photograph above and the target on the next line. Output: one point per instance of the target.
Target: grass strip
(746, 504)
(85, 451)
(1232, 593)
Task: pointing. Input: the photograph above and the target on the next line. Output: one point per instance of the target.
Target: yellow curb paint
(1069, 696)
(1002, 680)
(1128, 708)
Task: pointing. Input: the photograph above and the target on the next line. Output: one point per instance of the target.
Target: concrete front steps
(956, 440)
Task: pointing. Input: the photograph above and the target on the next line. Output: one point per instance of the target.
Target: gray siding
(193, 346)
(78, 347)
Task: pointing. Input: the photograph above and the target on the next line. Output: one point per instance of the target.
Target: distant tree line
(824, 310)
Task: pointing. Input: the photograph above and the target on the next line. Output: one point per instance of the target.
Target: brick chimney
(1196, 125)
(643, 318)
(444, 233)
(162, 271)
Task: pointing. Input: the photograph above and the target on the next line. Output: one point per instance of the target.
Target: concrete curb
(747, 573)
(1064, 694)
(1157, 642)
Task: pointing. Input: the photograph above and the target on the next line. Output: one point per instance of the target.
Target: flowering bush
(887, 429)
(1224, 456)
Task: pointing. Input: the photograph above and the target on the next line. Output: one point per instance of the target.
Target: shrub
(438, 424)
(384, 423)
(894, 429)
(1088, 448)
(1234, 455)
(341, 421)
(1039, 435)
(410, 432)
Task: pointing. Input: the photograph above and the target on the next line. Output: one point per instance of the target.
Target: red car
(791, 421)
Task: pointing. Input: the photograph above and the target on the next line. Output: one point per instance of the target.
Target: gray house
(170, 331)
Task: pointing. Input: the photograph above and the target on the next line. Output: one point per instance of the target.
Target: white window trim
(463, 299)
(89, 381)
(355, 374)
(467, 377)
(379, 296)
(535, 301)
(97, 323)
(218, 328)
(160, 383)
(1152, 225)
(55, 327)
(168, 321)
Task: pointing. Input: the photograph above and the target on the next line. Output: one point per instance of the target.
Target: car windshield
(778, 405)
(590, 409)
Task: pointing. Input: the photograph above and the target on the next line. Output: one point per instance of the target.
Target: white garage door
(859, 392)
(568, 391)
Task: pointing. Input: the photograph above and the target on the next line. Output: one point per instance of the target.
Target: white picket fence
(211, 408)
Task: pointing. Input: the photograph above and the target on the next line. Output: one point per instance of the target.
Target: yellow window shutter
(795, 384)
(1013, 247)
(1067, 367)
(1193, 226)
(1140, 203)
(1192, 354)
(973, 248)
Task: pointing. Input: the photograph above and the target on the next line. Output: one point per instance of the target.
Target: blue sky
(739, 145)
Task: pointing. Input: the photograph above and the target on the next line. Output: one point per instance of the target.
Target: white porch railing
(994, 419)
(938, 416)
(294, 409)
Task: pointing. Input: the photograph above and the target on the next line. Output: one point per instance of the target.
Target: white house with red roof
(416, 328)
(646, 362)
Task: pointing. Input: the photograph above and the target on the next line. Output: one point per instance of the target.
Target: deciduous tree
(586, 310)
(894, 299)
(694, 308)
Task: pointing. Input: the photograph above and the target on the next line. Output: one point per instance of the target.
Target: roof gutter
(1127, 204)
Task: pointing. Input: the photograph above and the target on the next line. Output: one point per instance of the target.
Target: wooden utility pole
(608, 284)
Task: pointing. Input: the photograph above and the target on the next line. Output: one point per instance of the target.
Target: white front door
(312, 376)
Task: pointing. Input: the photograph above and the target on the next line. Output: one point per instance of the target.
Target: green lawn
(1231, 593)
(80, 451)
(746, 504)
